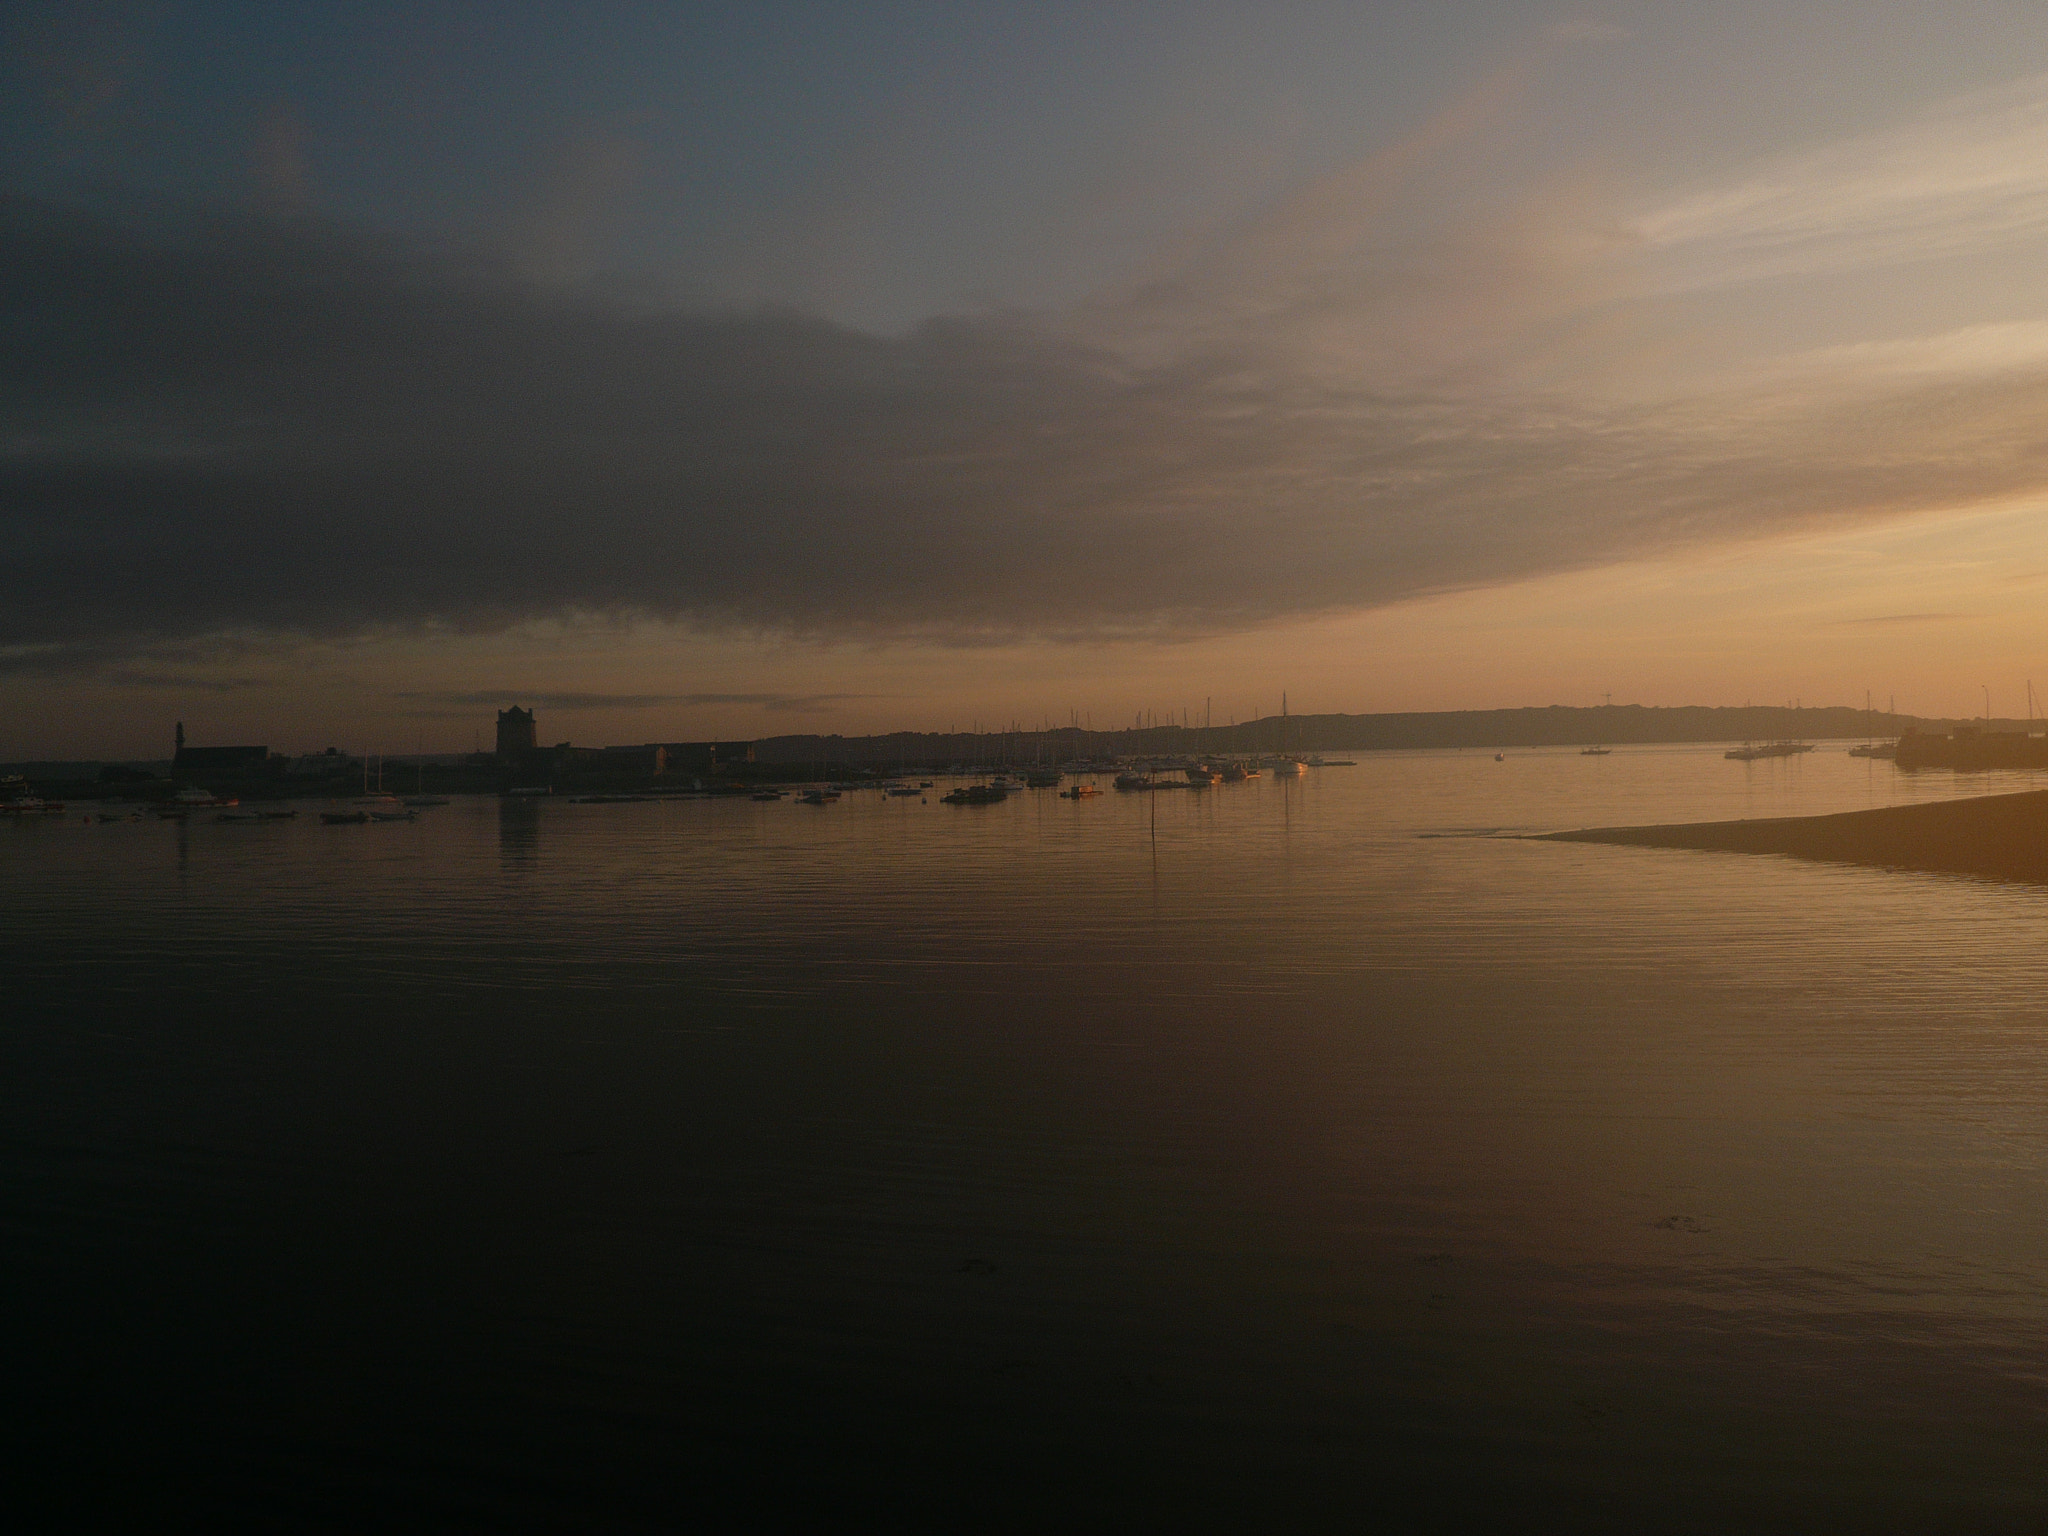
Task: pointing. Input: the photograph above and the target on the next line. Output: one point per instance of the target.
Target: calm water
(1312, 1154)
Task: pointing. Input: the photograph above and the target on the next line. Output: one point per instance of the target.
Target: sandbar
(1998, 837)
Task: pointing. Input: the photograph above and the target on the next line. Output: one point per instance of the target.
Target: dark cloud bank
(231, 427)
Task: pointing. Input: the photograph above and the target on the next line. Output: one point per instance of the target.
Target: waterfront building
(646, 761)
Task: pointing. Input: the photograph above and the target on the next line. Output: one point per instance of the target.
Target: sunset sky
(739, 370)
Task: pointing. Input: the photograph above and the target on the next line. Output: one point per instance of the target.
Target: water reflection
(518, 834)
(1220, 1157)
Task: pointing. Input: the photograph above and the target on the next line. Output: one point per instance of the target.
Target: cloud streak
(1968, 176)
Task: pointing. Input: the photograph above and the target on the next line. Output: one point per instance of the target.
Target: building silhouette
(706, 756)
(515, 731)
(240, 762)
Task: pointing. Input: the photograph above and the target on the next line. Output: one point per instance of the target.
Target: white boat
(1285, 767)
(30, 805)
(194, 799)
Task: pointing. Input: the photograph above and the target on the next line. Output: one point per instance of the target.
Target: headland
(1997, 837)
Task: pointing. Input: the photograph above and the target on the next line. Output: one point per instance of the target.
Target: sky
(727, 371)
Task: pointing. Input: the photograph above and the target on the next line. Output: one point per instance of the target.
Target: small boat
(1133, 781)
(15, 799)
(1042, 778)
(1747, 753)
(904, 792)
(1596, 751)
(398, 815)
(532, 789)
(976, 794)
(192, 799)
(1285, 767)
(277, 815)
(1201, 775)
(817, 796)
(419, 797)
(1879, 749)
(344, 818)
(1080, 792)
(1500, 757)
(31, 805)
(769, 794)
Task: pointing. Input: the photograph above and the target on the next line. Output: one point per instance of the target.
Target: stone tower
(515, 731)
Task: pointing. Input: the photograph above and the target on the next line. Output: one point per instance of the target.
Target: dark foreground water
(1309, 1159)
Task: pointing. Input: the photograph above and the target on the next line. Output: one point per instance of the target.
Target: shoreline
(1997, 837)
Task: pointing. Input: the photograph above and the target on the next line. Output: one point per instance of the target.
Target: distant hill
(1556, 726)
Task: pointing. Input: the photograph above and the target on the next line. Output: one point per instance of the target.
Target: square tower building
(515, 731)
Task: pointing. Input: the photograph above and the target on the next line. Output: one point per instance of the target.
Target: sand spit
(2000, 837)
